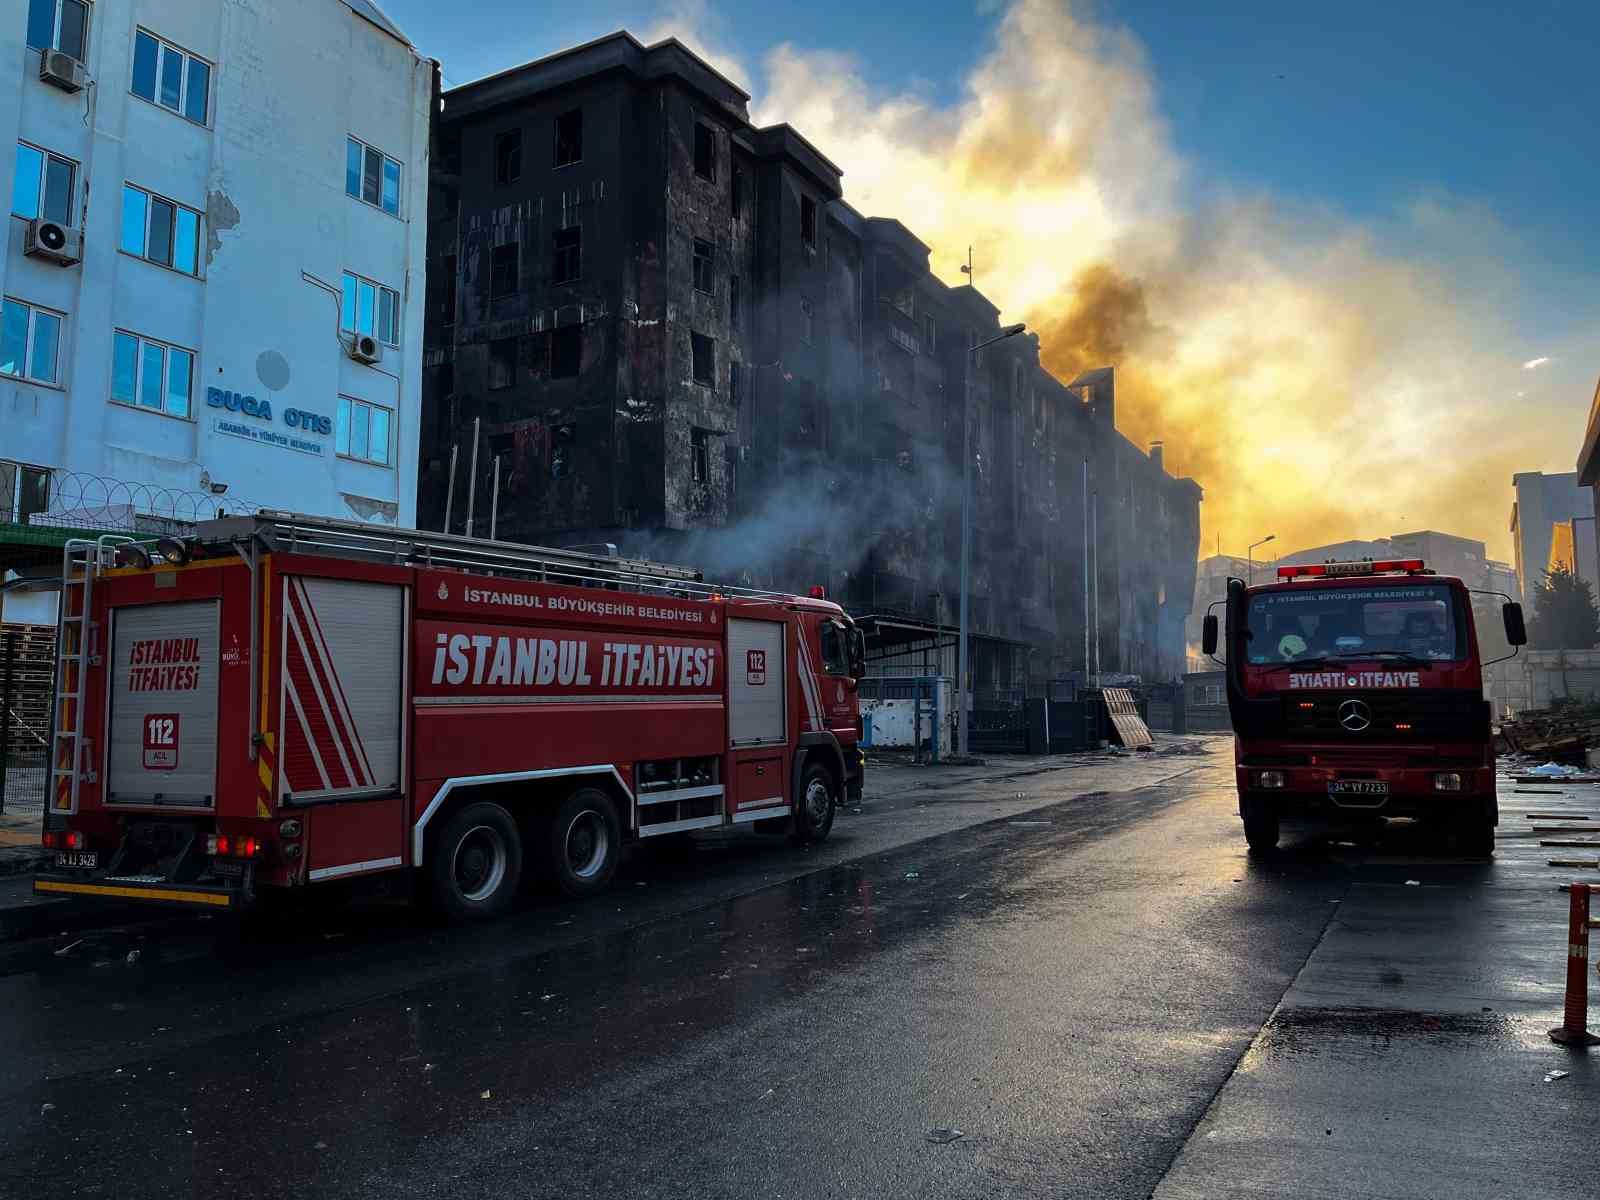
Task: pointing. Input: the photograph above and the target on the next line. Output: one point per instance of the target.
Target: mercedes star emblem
(1354, 715)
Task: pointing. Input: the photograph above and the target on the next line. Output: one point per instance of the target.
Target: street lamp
(1250, 554)
(1010, 331)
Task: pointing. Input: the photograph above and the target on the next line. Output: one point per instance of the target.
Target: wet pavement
(1077, 968)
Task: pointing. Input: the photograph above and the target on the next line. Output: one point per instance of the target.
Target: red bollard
(1574, 1029)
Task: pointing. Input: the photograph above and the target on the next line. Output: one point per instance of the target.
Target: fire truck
(281, 704)
(1356, 695)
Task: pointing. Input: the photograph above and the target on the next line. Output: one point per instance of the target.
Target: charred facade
(667, 330)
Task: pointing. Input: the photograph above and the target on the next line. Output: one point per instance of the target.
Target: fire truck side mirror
(1516, 629)
(1208, 634)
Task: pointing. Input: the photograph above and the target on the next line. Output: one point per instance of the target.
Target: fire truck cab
(1356, 695)
(284, 702)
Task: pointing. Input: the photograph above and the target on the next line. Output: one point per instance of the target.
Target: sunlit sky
(1407, 190)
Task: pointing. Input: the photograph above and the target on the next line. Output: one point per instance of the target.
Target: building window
(150, 374)
(566, 264)
(929, 333)
(30, 342)
(736, 200)
(361, 431)
(508, 157)
(447, 291)
(734, 371)
(173, 78)
(160, 231)
(704, 352)
(43, 185)
(699, 455)
(24, 490)
(569, 138)
(372, 176)
(566, 351)
(705, 151)
(502, 363)
(733, 301)
(808, 321)
(703, 281)
(808, 221)
(370, 308)
(503, 271)
(59, 25)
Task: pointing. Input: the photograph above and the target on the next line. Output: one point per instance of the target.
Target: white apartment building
(213, 270)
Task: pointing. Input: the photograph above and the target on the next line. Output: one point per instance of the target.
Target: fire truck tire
(583, 843)
(476, 866)
(1260, 827)
(1476, 838)
(818, 802)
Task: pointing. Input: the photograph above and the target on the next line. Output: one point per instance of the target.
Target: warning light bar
(1333, 569)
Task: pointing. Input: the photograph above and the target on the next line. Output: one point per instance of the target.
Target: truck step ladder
(76, 651)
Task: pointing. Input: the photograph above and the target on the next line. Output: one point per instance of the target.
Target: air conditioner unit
(52, 240)
(66, 72)
(365, 348)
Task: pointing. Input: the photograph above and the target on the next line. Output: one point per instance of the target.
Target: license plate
(1358, 787)
(78, 858)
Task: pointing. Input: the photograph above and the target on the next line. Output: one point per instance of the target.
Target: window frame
(560, 255)
(710, 133)
(836, 666)
(55, 29)
(166, 348)
(384, 161)
(699, 454)
(575, 334)
(349, 403)
(27, 375)
(707, 262)
(496, 347)
(502, 141)
(379, 290)
(735, 320)
(696, 338)
(73, 166)
(555, 155)
(516, 275)
(163, 48)
(11, 506)
(809, 206)
(149, 216)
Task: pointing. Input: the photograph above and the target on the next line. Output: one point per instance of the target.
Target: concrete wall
(289, 81)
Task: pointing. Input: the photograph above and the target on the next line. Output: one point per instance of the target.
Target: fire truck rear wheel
(813, 815)
(583, 843)
(1260, 827)
(476, 865)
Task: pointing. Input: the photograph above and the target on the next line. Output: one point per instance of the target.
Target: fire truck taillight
(220, 845)
(71, 839)
(818, 592)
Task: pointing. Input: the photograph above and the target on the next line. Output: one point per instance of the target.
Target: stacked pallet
(1559, 735)
(28, 660)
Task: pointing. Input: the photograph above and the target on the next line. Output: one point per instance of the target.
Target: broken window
(569, 138)
(447, 302)
(503, 271)
(502, 363)
(562, 438)
(567, 257)
(702, 267)
(705, 151)
(699, 455)
(734, 371)
(566, 351)
(733, 301)
(736, 199)
(508, 157)
(808, 221)
(705, 358)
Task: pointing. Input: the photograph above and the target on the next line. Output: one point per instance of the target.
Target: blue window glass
(198, 92)
(180, 371)
(347, 310)
(146, 50)
(57, 191)
(125, 368)
(13, 338)
(153, 371)
(352, 168)
(46, 346)
(186, 246)
(135, 212)
(25, 187)
(161, 221)
(42, 24)
(171, 77)
(366, 305)
(378, 437)
(391, 186)
(74, 29)
(341, 429)
(358, 431)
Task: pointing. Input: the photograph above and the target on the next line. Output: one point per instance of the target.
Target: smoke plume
(1318, 383)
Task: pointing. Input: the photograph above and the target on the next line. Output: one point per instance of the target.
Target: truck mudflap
(140, 889)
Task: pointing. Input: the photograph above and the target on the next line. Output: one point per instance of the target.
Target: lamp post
(1250, 554)
(962, 689)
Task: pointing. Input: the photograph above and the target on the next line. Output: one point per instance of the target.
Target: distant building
(1589, 474)
(1543, 504)
(1210, 586)
(1351, 551)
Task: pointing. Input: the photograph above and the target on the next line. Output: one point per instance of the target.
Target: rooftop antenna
(966, 269)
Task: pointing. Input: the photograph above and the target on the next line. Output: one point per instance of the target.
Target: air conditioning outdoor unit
(52, 240)
(66, 72)
(365, 348)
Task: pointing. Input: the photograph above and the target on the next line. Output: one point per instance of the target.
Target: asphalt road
(1069, 980)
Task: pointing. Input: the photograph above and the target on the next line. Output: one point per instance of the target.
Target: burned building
(652, 323)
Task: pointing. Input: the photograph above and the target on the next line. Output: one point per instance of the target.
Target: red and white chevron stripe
(314, 697)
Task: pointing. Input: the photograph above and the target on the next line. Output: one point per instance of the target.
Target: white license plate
(1358, 787)
(78, 859)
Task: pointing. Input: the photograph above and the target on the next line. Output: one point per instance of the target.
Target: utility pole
(963, 688)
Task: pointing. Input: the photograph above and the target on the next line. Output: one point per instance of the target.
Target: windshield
(1355, 622)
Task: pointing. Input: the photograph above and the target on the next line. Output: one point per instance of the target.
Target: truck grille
(1396, 716)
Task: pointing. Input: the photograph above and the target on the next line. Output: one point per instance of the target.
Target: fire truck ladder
(297, 533)
(76, 632)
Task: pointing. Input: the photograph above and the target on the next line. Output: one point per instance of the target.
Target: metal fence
(27, 678)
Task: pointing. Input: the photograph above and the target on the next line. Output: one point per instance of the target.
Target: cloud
(1533, 364)
(1317, 375)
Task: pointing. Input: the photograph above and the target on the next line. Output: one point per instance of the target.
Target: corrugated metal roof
(367, 10)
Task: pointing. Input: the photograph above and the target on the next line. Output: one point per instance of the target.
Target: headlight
(1269, 779)
(1447, 781)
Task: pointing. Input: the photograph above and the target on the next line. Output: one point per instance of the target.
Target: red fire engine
(1356, 694)
(280, 702)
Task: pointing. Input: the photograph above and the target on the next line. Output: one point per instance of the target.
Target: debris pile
(1559, 734)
